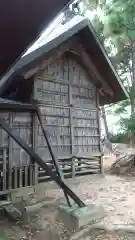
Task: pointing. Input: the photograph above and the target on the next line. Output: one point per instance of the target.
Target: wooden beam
(10, 154)
(91, 68)
(34, 144)
(17, 107)
(48, 58)
(41, 163)
(99, 132)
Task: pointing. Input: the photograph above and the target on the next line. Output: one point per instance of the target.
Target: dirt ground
(115, 194)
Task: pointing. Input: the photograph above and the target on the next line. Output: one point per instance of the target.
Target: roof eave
(122, 93)
(88, 36)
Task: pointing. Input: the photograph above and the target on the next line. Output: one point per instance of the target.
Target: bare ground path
(115, 194)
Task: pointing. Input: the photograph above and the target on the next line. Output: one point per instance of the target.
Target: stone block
(30, 194)
(22, 194)
(75, 218)
(13, 212)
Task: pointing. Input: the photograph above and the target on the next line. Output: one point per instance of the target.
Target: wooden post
(10, 154)
(15, 177)
(34, 145)
(26, 176)
(99, 131)
(20, 170)
(73, 166)
(71, 122)
(72, 139)
(4, 168)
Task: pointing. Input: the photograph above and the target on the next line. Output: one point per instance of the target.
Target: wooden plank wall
(16, 169)
(3, 154)
(70, 114)
(21, 163)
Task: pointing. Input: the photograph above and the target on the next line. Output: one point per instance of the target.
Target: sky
(53, 30)
(112, 122)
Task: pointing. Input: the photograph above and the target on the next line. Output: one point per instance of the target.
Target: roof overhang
(95, 51)
(21, 23)
(103, 64)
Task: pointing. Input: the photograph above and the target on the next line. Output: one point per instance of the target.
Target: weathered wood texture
(69, 109)
(16, 169)
(70, 114)
(41, 163)
(21, 124)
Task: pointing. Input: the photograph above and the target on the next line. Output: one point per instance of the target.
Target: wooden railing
(13, 177)
(34, 156)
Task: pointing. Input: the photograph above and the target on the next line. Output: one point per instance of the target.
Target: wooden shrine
(67, 80)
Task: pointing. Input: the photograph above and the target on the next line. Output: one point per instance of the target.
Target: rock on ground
(124, 165)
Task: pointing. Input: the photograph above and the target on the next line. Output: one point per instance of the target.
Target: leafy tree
(120, 137)
(118, 21)
(119, 24)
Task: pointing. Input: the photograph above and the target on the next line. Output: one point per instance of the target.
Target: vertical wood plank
(31, 174)
(71, 131)
(70, 78)
(15, 177)
(20, 169)
(73, 167)
(4, 168)
(70, 106)
(10, 154)
(26, 175)
(99, 131)
(34, 144)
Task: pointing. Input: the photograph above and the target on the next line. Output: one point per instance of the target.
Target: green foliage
(122, 59)
(92, 4)
(121, 137)
(119, 19)
(98, 25)
(122, 107)
(124, 123)
(131, 124)
(118, 24)
(127, 124)
(113, 23)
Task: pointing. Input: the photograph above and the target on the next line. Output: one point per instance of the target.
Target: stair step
(13, 212)
(4, 203)
(35, 207)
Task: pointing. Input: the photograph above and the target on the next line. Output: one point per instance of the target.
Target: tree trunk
(107, 142)
(103, 114)
(133, 96)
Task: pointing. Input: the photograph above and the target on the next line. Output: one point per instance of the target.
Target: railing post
(41, 163)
